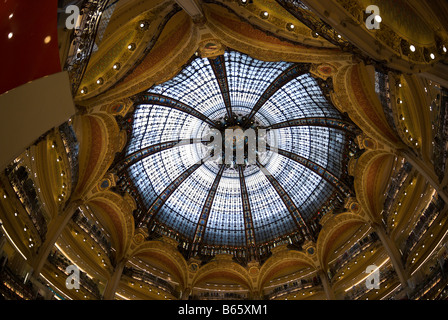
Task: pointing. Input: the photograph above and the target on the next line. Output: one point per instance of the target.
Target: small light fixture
(143, 25)
(290, 26)
(117, 66)
(444, 49)
(264, 14)
(100, 81)
(131, 46)
(10, 35)
(84, 90)
(432, 56)
(378, 18)
(412, 48)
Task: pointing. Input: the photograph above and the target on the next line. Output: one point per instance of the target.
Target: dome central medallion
(236, 142)
(236, 155)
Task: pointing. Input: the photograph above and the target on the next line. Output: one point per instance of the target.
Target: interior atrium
(224, 150)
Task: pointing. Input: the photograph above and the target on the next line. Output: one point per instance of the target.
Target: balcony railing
(294, 286)
(84, 41)
(71, 147)
(95, 233)
(319, 27)
(219, 295)
(383, 91)
(150, 279)
(394, 188)
(429, 214)
(61, 263)
(440, 139)
(359, 247)
(25, 190)
(429, 287)
(13, 288)
(362, 289)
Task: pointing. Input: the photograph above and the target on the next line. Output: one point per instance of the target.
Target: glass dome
(198, 193)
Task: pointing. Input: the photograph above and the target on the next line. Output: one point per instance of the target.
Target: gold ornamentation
(323, 70)
(138, 239)
(352, 205)
(211, 48)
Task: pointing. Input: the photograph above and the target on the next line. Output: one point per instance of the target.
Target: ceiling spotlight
(412, 48)
(432, 56)
(290, 26)
(117, 66)
(378, 18)
(131, 46)
(84, 90)
(265, 14)
(243, 2)
(100, 81)
(143, 25)
(444, 49)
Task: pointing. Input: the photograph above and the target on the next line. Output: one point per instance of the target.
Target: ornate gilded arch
(371, 171)
(223, 266)
(99, 140)
(332, 229)
(165, 251)
(116, 213)
(354, 93)
(282, 259)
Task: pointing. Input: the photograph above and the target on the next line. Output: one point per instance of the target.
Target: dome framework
(211, 205)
